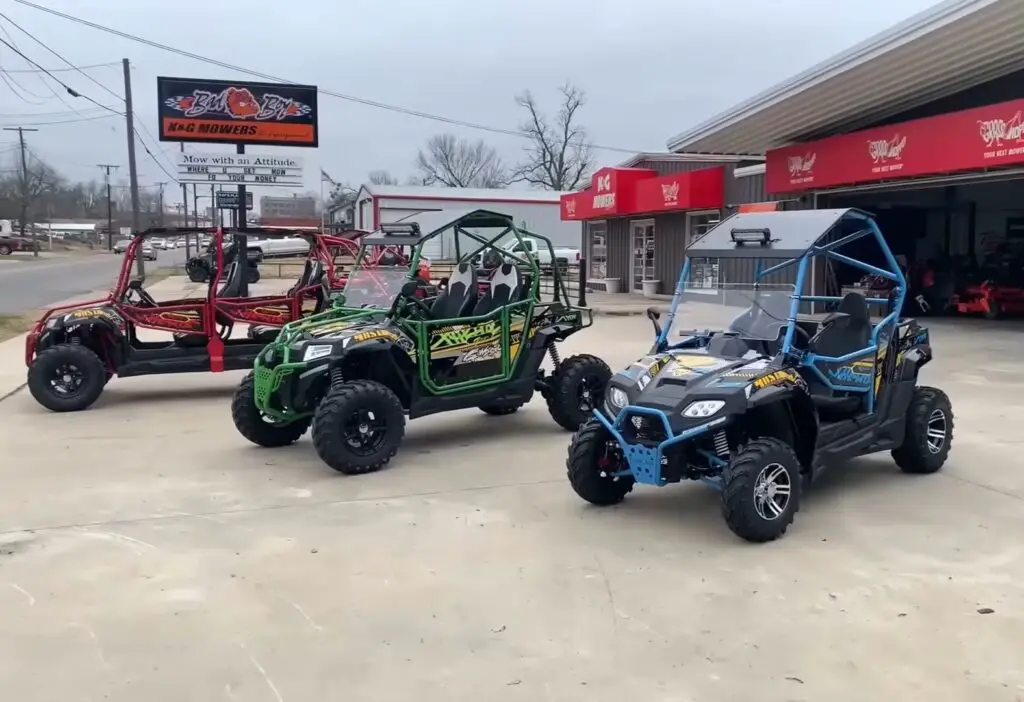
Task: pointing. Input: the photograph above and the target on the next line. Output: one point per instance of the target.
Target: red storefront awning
(617, 192)
(983, 137)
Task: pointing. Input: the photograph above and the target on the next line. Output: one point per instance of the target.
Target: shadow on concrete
(115, 396)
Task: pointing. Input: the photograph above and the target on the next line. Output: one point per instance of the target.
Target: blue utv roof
(791, 234)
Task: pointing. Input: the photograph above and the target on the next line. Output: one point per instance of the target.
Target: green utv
(392, 346)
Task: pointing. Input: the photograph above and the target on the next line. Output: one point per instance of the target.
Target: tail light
(577, 257)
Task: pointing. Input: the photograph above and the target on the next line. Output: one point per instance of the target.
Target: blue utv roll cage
(800, 237)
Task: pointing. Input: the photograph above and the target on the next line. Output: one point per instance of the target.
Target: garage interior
(950, 235)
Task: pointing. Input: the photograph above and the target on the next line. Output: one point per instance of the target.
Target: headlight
(617, 398)
(703, 408)
(319, 351)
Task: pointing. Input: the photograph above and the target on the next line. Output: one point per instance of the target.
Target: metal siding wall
(618, 251)
(669, 248)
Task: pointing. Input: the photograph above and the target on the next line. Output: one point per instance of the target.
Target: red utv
(73, 350)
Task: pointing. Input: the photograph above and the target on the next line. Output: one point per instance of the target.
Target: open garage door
(958, 239)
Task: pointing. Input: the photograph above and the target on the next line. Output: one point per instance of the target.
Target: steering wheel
(144, 299)
(407, 297)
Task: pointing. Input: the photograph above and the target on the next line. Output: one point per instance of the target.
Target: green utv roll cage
(428, 334)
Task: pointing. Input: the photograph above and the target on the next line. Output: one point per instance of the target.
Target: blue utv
(762, 408)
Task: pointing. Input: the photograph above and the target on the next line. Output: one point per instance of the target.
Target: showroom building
(923, 125)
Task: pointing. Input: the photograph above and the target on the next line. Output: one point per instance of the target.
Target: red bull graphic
(237, 112)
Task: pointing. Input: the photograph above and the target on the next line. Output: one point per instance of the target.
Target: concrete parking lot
(148, 552)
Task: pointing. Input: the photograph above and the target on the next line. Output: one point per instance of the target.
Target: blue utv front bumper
(645, 460)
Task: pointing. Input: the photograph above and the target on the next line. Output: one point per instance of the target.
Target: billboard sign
(237, 112)
(228, 200)
(970, 140)
(239, 169)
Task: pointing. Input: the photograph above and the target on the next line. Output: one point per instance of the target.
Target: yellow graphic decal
(774, 378)
(696, 361)
(376, 334)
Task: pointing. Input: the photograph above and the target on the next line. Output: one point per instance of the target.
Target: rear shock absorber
(556, 358)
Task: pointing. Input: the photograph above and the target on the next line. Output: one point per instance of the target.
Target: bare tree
(382, 178)
(458, 163)
(559, 156)
(30, 191)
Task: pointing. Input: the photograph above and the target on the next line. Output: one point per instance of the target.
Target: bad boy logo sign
(887, 154)
(801, 168)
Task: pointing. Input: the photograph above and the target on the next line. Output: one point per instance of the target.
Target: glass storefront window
(703, 271)
(597, 257)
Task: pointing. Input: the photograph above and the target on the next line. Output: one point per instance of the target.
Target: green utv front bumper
(281, 358)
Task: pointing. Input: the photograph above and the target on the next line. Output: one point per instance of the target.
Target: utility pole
(24, 186)
(133, 174)
(160, 215)
(184, 201)
(110, 207)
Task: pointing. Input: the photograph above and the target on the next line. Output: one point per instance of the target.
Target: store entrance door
(642, 267)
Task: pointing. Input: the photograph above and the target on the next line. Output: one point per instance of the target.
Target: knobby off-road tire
(254, 275)
(197, 274)
(5, 250)
(589, 478)
(337, 409)
(923, 451)
(564, 392)
(746, 496)
(89, 370)
(502, 409)
(255, 426)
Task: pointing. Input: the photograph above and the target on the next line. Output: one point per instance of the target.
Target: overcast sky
(650, 68)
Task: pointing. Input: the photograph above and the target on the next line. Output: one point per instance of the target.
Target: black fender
(382, 360)
(103, 332)
(785, 412)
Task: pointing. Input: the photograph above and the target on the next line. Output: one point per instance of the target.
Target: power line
(341, 96)
(101, 85)
(59, 57)
(52, 113)
(74, 93)
(74, 121)
(90, 67)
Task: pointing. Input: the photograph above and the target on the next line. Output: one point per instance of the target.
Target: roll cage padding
(460, 297)
(505, 287)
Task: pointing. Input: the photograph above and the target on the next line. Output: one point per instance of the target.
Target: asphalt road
(27, 284)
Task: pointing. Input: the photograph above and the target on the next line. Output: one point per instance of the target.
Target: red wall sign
(983, 137)
(615, 192)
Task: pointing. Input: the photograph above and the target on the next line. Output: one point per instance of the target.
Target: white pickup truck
(277, 247)
(539, 250)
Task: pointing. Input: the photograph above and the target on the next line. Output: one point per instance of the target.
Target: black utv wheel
(576, 389)
(502, 409)
(256, 426)
(929, 434)
(994, 311)
(761, 490)
(358, 427)
(254, 274)
(591, 464)
(197, 274)
(67, 378)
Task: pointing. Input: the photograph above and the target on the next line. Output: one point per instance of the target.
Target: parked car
(148, 252)
(563, 254)
(160, 244)
(121, 245)
(278, 247)
(10, 244)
